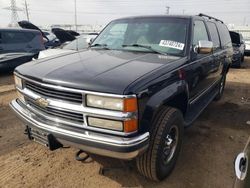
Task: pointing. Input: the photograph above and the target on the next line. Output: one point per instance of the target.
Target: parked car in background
(52, 39)
(20, 40)
(132, 93)
(80, 43)
(242, 168)
(238, 48)
(247, 49)
(9, 61)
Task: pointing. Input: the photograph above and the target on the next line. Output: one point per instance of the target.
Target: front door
(202, 64)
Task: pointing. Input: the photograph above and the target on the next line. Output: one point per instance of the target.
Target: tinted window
(224, 35)
(214, 34)
(200, 32)
(17, 37)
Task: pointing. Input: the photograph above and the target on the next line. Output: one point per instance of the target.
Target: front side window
(200, 32)
(166, 35)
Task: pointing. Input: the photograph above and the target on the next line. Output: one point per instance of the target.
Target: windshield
(163, 35)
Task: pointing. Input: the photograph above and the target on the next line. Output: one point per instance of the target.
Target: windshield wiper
(144, 46)
(102, 46)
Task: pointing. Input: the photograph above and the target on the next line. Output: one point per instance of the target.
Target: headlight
(18, 82)
(119, 104)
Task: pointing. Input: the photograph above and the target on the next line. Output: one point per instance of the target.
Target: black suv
(132, 93)
(238, 48)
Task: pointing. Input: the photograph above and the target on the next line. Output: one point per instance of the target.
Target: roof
(201, 16)
(18, 29)
(156, 16)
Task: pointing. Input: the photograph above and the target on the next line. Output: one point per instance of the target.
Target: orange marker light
(130, 105)
(130, 125)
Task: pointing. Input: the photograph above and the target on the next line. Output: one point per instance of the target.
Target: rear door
(226, 43)
(217, 51)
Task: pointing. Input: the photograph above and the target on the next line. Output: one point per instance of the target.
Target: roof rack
(210, 17)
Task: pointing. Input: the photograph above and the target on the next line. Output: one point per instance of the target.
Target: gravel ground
(206, 159)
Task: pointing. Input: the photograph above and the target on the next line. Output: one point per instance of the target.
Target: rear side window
(200, 32)
(17, 37)
(224, 35)
(214, 34)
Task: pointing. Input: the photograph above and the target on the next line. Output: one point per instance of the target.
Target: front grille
(53, 93)
(65, 115)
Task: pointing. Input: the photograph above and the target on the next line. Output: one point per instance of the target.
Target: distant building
(80, 28)
(244, 30)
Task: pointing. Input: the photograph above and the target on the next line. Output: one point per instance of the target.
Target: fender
(160, 98)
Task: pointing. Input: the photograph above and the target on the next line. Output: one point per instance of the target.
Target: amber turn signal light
(130, 105)
(130, 125)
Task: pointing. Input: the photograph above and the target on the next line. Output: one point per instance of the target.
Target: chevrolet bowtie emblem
(42, 102)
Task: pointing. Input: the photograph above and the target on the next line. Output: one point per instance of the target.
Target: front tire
(164, 147)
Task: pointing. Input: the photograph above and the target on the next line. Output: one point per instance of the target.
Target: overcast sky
(47, 12)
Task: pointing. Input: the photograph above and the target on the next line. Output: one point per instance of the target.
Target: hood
(95, 70)
(28, 25)
(63, 35)
(52, 52)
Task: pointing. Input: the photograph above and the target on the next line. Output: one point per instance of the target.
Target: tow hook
(83, 158)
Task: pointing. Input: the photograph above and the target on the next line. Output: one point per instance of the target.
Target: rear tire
(164, 146)
(242, 58)
(221, 88)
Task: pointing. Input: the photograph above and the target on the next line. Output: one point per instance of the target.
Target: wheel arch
(176, 95)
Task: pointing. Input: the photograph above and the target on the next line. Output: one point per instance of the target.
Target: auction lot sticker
(172, 44)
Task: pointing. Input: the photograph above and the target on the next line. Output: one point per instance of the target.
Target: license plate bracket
(43, 138)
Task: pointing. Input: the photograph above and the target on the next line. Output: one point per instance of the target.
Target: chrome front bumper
(88, 141)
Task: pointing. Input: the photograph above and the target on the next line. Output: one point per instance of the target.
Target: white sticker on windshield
(172, 44)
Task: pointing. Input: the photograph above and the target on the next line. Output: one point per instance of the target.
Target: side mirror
(204, 47)
(240, 166)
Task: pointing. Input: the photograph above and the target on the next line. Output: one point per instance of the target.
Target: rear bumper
(88, 141)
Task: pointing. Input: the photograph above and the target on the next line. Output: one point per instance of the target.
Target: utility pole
(167, 9)
(26, 10)
(14, 16)
(183, 11)
(244, 20)
(75, 17)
